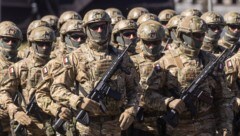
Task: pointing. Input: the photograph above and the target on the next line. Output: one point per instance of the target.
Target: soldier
(22, 78)
(10, 40)
(52, 20)
(191, 12)
(112, 12)
(164, 16)
(123, 34)
(177, 69)
(232, 30)
(136, 12)
(145, 17)
(72, 35)
(25, 51)
(86, 65)
(150, 34)
(230, 39)
(215, 24)
(172, 30)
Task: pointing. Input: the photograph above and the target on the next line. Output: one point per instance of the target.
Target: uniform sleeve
(133, 88)
(43, 96)
(222, 98)
(63, 80)
(154, 97)
(9, 88)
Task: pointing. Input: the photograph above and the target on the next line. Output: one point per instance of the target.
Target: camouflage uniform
(86, 65)
(230, 39)
(179, 68)
(215, 23)
(43, 95)
(5, 62)
(152, 32)
(24, 77)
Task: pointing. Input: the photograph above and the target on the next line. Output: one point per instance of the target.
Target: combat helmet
(145, 17)
(67, 16)
(136, 12)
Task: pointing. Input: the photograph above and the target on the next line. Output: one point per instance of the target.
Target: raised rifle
(192, 93)
(99, 92)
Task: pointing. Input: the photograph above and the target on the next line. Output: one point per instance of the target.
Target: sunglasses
(95, 26)
(41, 44)
(198, 35)
(215, 27)
(8, 39)
(128, 34)
(76, 36)
(148, 43)
(234, 26)
(164, 22)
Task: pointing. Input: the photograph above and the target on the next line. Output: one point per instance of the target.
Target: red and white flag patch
(45, 70)
(229, 63)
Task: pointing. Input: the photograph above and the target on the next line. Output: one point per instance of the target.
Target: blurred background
(22, 12)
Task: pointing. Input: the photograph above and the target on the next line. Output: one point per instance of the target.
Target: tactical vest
(97, 65)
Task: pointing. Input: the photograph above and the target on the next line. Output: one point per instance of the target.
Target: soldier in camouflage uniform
(86, 65)
(10, 39)
(72, 35)
(52, 20)
(150, 34)
(124, 33)
(215, 24)
(70, 32)
(164, 16)
(191, 12)
(22, 79)
(232, 64)
(177, 69)
(136, 12)
(232, 34)
(25, 52)
(172, 30)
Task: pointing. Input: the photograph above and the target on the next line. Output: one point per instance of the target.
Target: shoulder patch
(229, 64)
(66, 60)
(11, 71)
(45, 71)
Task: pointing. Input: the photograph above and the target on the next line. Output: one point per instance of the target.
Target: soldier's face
(9, 42)
(43, 48)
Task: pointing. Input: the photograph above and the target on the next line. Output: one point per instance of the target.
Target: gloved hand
(65, 114)
(236, 104)
(3, 114)
(178, 105)
(89, 105)
(126, 119)
(22, 118)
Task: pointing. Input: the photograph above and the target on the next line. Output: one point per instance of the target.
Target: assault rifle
(31, 107)
(99, 92)
(192, 93)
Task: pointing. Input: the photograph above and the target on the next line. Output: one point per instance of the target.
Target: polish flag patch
(45, 70)
(229, 63)
(66, 61)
